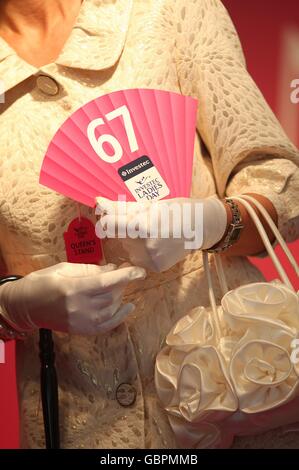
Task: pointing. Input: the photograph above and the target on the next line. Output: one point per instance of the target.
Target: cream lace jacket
(186, 46)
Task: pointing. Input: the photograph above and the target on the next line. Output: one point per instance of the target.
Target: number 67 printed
(98, 144)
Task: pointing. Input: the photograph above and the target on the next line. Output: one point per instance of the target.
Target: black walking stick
(48, 382)
(49, 389)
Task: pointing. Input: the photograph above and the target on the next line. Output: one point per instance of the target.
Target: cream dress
(186, 46)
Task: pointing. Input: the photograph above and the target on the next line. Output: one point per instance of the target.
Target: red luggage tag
(81, 243)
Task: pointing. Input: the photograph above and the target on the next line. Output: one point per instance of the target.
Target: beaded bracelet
(7, 331)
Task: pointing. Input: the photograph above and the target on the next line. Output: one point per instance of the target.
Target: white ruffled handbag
(231, 370)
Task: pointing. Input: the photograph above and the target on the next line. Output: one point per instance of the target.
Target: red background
(260, 25)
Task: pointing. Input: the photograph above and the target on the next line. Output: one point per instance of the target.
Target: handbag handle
(205, 258)
(275, 231)
(283, 275)
(219, 266)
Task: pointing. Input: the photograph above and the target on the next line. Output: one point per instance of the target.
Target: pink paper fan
(137, 142)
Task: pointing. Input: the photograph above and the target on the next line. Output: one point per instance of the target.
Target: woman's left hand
(158, 234)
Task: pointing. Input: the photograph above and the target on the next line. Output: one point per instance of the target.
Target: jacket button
(47, 85)
(126, 394)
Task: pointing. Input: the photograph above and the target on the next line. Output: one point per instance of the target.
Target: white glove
(190, 224)
(75, 298)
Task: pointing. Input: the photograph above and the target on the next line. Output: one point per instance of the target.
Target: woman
(56, 56)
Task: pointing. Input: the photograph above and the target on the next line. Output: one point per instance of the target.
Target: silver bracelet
(7, 331)
(234, 229)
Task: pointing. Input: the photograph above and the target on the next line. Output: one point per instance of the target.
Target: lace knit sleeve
(234, 120)
(278, 180)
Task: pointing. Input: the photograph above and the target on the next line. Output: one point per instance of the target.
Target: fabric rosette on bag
(270, 303)
(265, 318)
(192, 380)
(228, 370)
(262, 371)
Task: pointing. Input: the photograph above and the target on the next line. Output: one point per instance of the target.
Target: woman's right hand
(75, 298)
